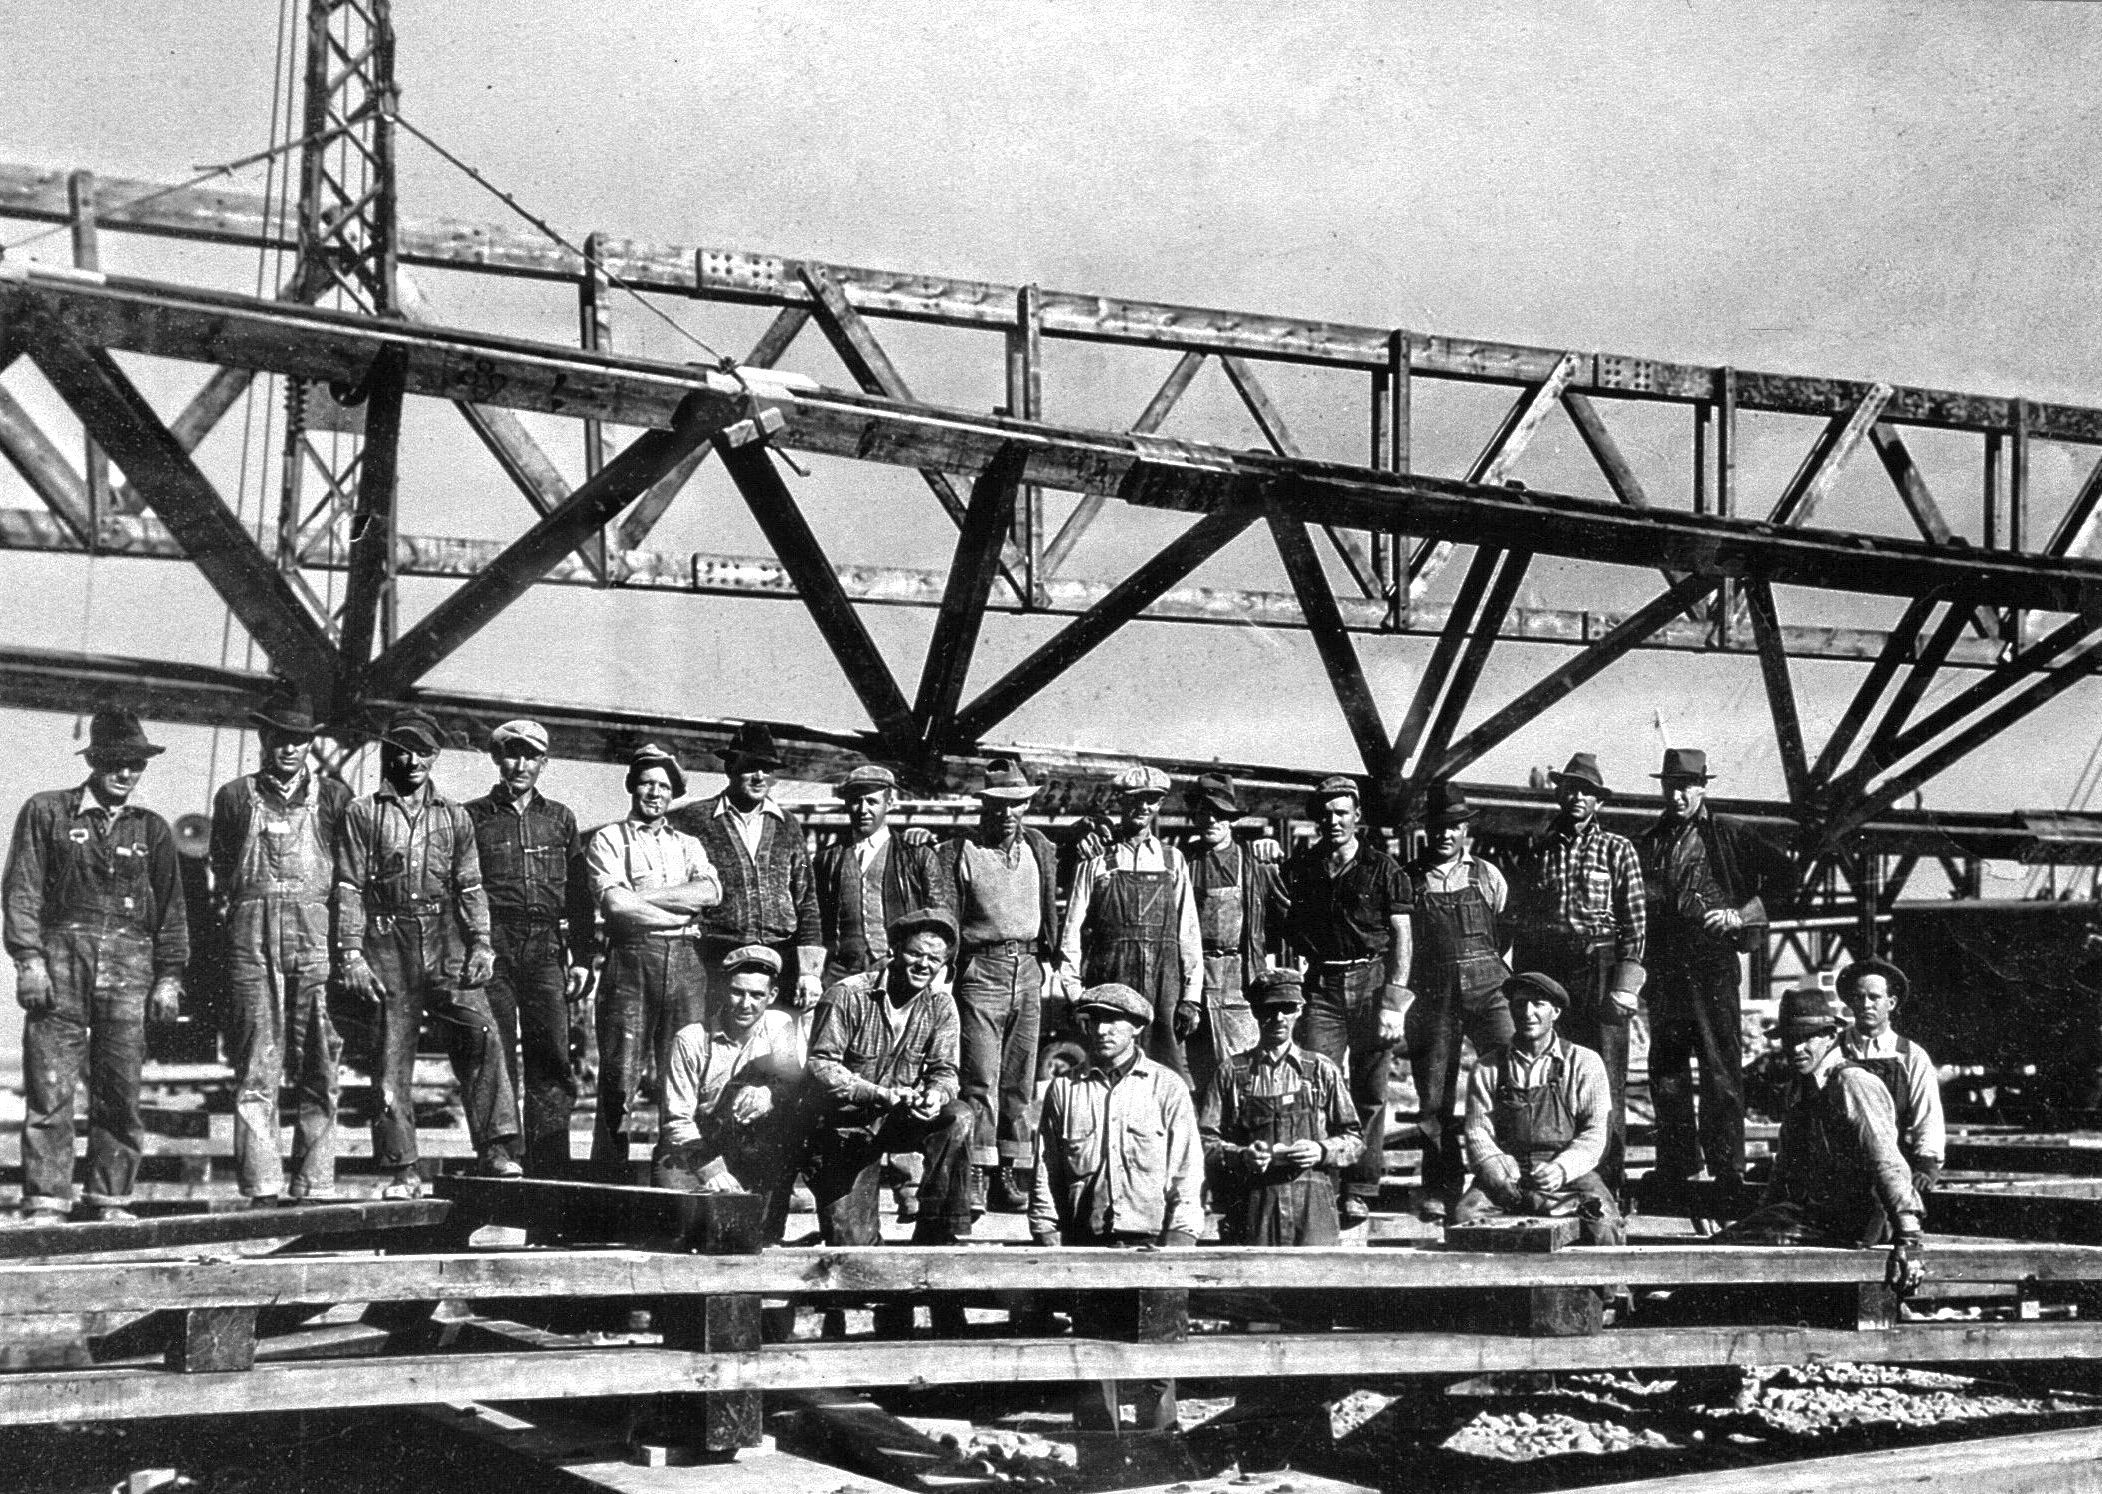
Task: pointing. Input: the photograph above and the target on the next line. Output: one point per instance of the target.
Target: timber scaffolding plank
(244, 219)
(1149, 471)
(174, 1231)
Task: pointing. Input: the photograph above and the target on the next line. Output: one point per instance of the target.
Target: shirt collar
(1857, 1046)
(1140, 1064)
(1556, 1051)
(501, 794)
(85, 804)
(765, 806)
(425, 795)
(660, 826)
(1566, 831)
(875, 843)
(1289, 1056)
(293, 792)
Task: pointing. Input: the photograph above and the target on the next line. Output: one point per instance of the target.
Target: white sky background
(1900, 192)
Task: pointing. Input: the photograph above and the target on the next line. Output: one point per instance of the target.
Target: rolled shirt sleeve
(1345, 1141)
(682, 1086)
(470, 898)
(1868, 1109)
(1480, 1131)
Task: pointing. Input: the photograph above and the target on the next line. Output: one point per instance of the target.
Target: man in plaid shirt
(1581, 921)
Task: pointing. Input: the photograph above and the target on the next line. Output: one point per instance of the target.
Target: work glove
(33, 991)
(480, 968)
(1926, 1176)
(1189, 1016)
(361, 980)
(1907, 1266)
(165, 1002)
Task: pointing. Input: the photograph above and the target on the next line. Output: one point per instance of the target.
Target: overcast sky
(1901, 192)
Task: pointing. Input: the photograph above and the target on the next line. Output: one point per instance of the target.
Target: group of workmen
(879, 1006)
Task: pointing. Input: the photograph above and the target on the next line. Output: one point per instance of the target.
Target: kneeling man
(1538, 1114)
(735, 1094)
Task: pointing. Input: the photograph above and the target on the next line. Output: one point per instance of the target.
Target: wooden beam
(171, 1231)
(467, 611)
(1271, 421)
(554, 1212)
(1339, 657)
(117, 416)
(1911, 689)
(971, 574)
(1780, 692)
(2026, 1463)
(1612, 461)
(1078, 638)
(2076, 527)
(751, 467)
(1150, 420)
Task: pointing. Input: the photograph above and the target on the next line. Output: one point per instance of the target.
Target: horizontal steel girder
(216, 215)
(173, 322)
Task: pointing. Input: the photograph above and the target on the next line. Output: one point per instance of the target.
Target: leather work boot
(1008, 1193)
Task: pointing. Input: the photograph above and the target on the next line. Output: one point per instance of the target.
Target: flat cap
(1276, 988)
(1334, 786)
(1532, 983)
(532, 733)
(413, 731)
(752, 957)
(1140, 780)
(867, 779)
(922, 921)
(1117, 999)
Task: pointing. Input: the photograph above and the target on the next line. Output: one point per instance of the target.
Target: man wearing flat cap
(652, 883)
(1579, 916)
(1349, 919)
(273, 867)
(540, 914)
(1131, 919)
(769, 890)
(96, 924)
(1239, 895)
(1459, 979)
(999, 881)
(883, 1068)
(1538, 1115)
(1839, 1177)
(1708, 881)
(1278, 1127)
(735, 1095)
(412, 940)
(869, 879)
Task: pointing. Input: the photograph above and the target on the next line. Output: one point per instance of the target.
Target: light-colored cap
(752, 957)
(532, 733)
(1142, 779)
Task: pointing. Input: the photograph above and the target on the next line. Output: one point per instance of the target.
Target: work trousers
(525, 997)
(97, 1014)
(999, 1008)
(1436, 1024)
(1341, 1023)
(1102, 1410)
(1696, 1015)
(763, 1157)
(845, 1161)
(408, 954)
(1593, 1022)
(279, 1033)
(1229, 1025)
(1587, 1198)
(651, 988)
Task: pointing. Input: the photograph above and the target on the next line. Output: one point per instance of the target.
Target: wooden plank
(561, 1213)
(2067, 1461)
(211, 1340)
(106, 1395)
(713, 1421)
(176, 1230)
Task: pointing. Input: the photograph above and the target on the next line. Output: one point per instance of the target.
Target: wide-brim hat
(1004, 779)
(753, 743)
(1117, 998)
(1583, 768)
(1899, 985)
(1684, 762)
(922, 921)
(413, 731)
(1445, 804)
(1811, 1009)
(117, 733)
(1217, 790)
(289, 715)
(1533, 982)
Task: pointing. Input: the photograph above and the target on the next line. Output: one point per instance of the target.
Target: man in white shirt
(651, 883)
(735, 1092)
(1872, 991)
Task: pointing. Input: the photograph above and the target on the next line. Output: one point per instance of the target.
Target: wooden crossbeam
(1926, 663)
(170, 1231)
(1339, 657)
(971, 574)
(1462, 621)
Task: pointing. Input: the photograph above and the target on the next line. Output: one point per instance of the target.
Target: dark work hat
(117, 733)
(1684, 762)
(1445, 804)
(1533, 982)
(922, 921)
(1217, 790)
(1332, 787)
(288, 714)
(650, 755)
(413, 731)
(1893, 977)
(753, 743)
(1810, 1009)
(1275, 988)
(1583, 768)
(867, 779)
(1118, 999)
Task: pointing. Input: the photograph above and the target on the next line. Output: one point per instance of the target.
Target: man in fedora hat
(1839, 1177)
(1239, 895)
(412, 939)
(999, 882)
(1349, 907)
(1459, 980)
(1278, 1127)
(865, 881)
(1538, 1116)
(97, 928)
(273, 866)
(769, 891)
(541, 918)
(883, 1068)
(1708, 881)
(1580, 918)
(1131, 918)
(735, 1095)
(1873, 990)
(652, 883)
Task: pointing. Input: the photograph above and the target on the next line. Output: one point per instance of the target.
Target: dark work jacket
(1743, 864)
(947, 889)
(532, 865)
(124, 880)
(907, 872)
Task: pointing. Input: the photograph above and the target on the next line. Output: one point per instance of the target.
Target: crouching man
(1278, 1125)
(1538, 1115)
(883, 1066)
(1839, 1177)
(735, 1094)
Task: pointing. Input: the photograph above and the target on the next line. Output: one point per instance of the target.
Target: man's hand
(751, 1104)
(1259, 1155)
(1499, 1174)
(361, 980)
(1091, 845)
(1545, 1176)
(919, 837)
(33, 991)
(1189, 1016)
(722, 1182)
(480, 968)
(1907, 1266)
(576, 983)
(165, 1003)
(1266, 850)
(1626, 1001)
(1722, 922)
(925, 1105)
(810, 989)
(1394, 1021)
(1300, 1154)
(1926, 1176)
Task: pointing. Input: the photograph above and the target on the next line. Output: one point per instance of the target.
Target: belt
(1002, 946)
(654, 936)
(530, 917)
(1358, 963)
(421, 907)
